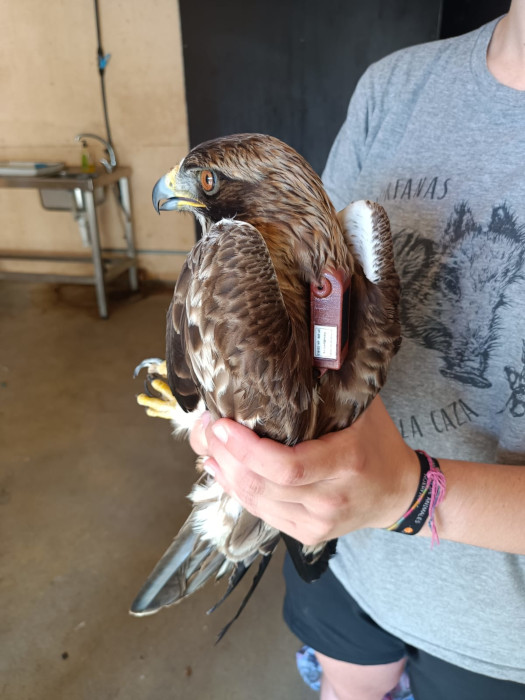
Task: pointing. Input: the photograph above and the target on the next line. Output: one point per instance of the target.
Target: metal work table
(106, 265)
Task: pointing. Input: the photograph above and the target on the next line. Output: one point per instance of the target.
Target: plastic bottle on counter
(85, 161)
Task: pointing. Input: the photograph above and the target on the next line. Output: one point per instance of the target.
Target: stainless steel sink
(70, 199)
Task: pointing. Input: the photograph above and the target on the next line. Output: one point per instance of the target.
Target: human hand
(363, 476)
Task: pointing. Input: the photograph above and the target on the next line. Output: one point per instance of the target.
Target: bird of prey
(284, 318)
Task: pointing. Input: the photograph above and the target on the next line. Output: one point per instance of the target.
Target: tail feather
(240, 568)
(208, 569)
(170, 580)
(219, 539)
(265, 560)
(203, 556)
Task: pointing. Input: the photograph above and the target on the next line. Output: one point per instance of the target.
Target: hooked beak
(166, 197)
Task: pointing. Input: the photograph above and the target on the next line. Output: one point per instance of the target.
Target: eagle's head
(258, 179)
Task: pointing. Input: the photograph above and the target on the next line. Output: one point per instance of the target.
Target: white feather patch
(183, 422)
(249, 422)
(237, 222)
(357, 222)
(215, 514)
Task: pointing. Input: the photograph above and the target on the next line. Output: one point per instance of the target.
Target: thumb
(198, 439)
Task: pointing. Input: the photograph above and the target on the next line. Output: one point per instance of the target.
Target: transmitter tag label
(325, 342)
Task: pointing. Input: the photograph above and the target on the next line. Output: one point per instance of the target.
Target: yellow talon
(157, 404)
(159, 408)
(165, 405)
(156, 414)
(163, 389)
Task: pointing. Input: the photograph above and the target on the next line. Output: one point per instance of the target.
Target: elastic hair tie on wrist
(430, 493)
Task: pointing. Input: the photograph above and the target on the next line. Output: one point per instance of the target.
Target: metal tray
(28, 168)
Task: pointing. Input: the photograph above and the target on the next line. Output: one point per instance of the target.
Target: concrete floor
(91, 492)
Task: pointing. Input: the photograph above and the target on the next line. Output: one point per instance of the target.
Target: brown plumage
(238, 330)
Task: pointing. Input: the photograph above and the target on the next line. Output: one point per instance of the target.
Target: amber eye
(209, 181)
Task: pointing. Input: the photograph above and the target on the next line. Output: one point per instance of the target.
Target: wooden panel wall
(50, 88)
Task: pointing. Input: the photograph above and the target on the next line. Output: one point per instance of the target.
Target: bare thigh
(345, 681)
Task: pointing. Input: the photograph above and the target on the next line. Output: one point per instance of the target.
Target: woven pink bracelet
(430, 493)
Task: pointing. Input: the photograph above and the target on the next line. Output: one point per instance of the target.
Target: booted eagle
(251, 335)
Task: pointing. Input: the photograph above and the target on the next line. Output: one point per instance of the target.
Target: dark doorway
(461, 16)
(289, 67)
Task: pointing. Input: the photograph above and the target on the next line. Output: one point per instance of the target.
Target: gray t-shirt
(434, 138)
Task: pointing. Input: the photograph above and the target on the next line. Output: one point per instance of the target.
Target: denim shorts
(324, 616)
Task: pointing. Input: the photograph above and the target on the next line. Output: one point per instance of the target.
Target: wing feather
(375, 332)
(367, 232)
(181, 382)
(231, 339)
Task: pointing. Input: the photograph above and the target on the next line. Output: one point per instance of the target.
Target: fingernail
(208, 467)
(220, 433)
(205, 419)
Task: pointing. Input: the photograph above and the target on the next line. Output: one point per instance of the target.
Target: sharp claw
(156, 387)
(148, 363)
(147, 389)
(157, 397)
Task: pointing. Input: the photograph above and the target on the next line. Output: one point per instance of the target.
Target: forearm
(483, 506)
(362, 477)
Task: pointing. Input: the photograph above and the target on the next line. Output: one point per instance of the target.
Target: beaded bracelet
(430, 493)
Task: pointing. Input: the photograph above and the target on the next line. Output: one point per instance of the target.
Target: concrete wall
(51, 91)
